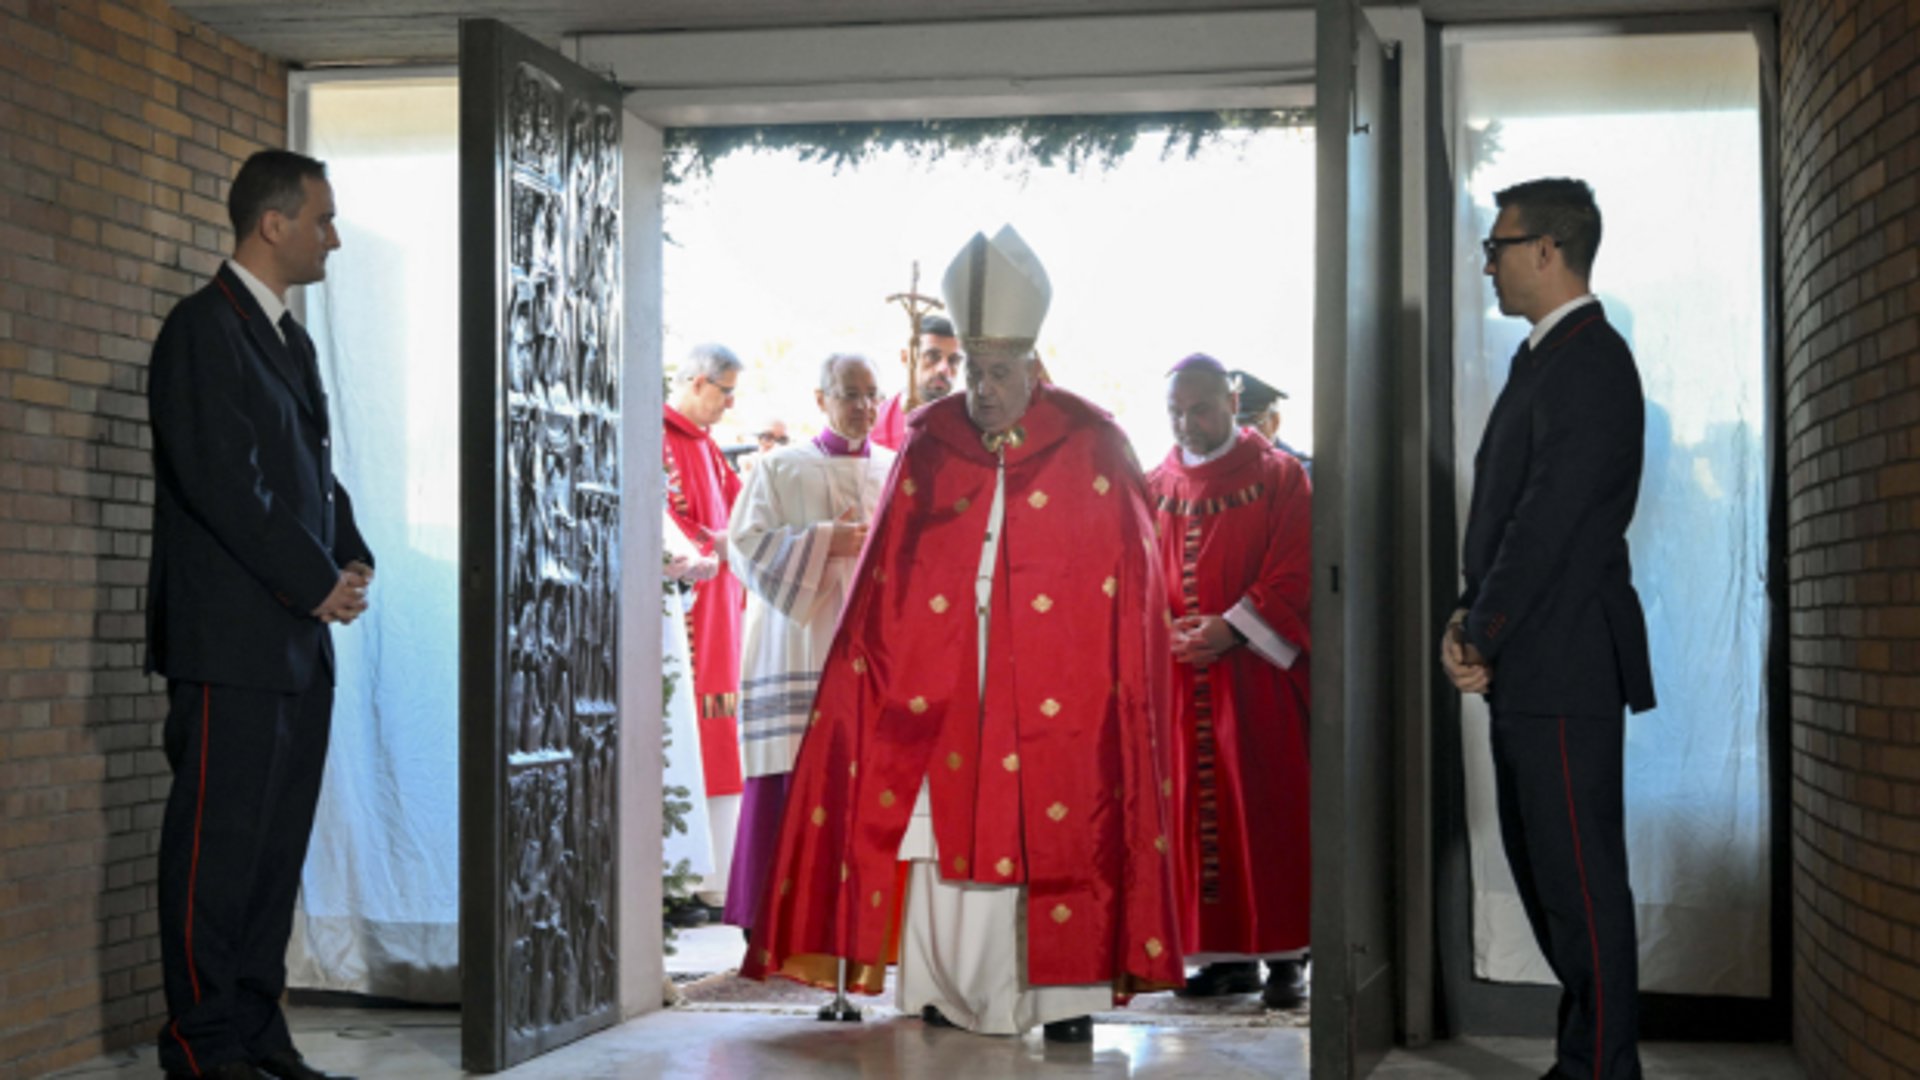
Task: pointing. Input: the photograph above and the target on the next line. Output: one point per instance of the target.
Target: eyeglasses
(1492, 244)
(724, 388)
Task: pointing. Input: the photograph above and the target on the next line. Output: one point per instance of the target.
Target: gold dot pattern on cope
(1037, 500)
(1050, 708)
(766, 957)
(1166, 788)
(880, 576)
(1102, 485)
(1160, 844)
(787, 885)
(953, 760)
(1058, 811)
(1011, 762)
(959, 864)
(1005, 867)
(859, 665)
(1061, 913)
(918, 705)
(1111, 587)
(819, 816)
(877, 898)
(853, 768)
(960, 504)
(845, 871)
(909, 486)
(1154, 948)
(939, 604)
(1043, 603)
(887, 800)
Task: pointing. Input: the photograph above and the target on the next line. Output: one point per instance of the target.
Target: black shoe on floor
(1235, 977)
(686, 914)
(1286, 984)
(1077, 1030)
(289, 1065)
(931, 1016)
(231, 1070)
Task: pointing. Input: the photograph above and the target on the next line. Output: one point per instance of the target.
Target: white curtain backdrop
(380, 901)
(1667, 130)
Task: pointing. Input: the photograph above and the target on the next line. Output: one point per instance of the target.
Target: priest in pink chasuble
(1234, 522)
(993, 710)
(701, 490)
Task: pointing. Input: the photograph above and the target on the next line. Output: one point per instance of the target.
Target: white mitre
(997, 292)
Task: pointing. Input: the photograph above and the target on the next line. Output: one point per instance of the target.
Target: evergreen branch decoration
(1076, 141)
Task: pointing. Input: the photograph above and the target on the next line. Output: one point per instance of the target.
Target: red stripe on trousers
(193, 868)
(1593, 935)
(188, 1050)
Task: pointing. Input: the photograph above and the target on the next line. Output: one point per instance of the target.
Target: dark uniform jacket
(250, 528)
(1549, 594)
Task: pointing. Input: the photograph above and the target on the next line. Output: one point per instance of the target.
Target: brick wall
(120, 125)
(1850, 153)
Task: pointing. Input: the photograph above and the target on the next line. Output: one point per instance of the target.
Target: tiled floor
(711, 1044)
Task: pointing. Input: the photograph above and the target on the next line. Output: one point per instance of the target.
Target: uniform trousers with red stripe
(1562, 820)
(247, 766)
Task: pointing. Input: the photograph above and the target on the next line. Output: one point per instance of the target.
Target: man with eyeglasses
(795, 536)
(1550, 628)
(701, 490)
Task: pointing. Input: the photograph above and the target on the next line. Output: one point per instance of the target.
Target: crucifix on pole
(917, 307)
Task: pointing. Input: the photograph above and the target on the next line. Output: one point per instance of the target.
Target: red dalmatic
(1238, 531)
(1055, 780)
(700, 493)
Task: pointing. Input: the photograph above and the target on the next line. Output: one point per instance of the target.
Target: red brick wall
(120, 125)
(1850, 155)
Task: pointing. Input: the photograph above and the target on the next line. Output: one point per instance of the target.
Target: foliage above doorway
(1075, 141)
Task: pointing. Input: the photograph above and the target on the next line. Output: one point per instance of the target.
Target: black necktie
(304, 356)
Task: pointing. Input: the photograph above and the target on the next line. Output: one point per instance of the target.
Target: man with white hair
(700, 494)
(795, 536)
(993, 709)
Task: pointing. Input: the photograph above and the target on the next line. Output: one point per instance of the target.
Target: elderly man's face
(999, 388)
(852, 402)
(712, 398)
(1201, 407)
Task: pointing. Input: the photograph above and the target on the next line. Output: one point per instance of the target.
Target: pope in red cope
(1236, 550)
(993, 711)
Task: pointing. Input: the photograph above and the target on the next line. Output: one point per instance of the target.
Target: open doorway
(1154, 254)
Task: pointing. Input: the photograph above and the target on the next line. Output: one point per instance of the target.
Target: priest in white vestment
(795, 539)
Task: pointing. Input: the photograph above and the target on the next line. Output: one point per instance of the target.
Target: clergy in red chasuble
(700, 494)
(1234, 521)
(993, 711)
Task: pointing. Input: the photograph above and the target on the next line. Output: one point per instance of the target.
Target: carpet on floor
(726, 991)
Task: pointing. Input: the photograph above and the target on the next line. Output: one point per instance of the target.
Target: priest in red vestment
(929, 378)
(1234, 524)
(700, 494)
(993, 710)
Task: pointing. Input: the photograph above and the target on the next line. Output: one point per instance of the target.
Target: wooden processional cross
(917, 307)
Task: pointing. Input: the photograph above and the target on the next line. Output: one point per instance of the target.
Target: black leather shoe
(1235, 977)
(931, 1016)
(289, 1065)
(1077, 1030)
(231, 1070)
(1286, 984)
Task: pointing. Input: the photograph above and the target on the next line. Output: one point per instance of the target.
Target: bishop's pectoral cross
(917, 308)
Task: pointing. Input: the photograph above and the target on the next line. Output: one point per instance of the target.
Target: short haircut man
(1549, 626)
(256, 555)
